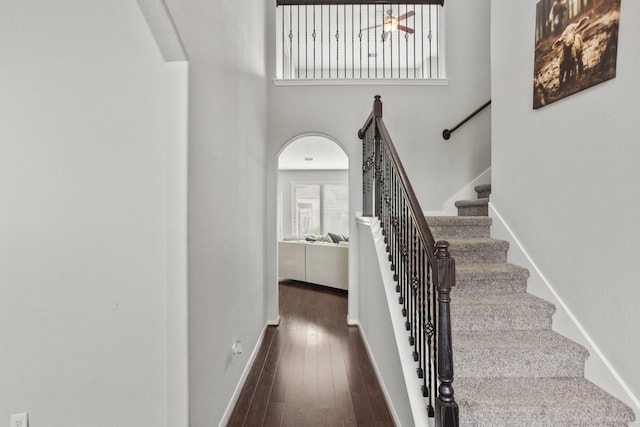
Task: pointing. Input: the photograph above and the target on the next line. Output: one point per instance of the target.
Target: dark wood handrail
(382, 2)
(446, 134)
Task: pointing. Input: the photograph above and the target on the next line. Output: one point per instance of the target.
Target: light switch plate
(19, 420)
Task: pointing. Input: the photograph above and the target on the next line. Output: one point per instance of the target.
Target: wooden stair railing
(424, 271)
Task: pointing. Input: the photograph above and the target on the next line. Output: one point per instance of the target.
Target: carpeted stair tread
(459, 227)
(537, 402)
(517, 354)
(478, 250)
(490, 278)
(517, 311)
(483, 190)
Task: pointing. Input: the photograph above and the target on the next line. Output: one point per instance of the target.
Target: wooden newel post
(446, 406)
(377, 156)
(370, 152)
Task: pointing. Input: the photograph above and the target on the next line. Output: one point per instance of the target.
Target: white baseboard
(243, 378)
(275, 322)
(598, 369)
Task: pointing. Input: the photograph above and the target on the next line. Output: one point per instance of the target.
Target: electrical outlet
(236, 348)
(19, 420)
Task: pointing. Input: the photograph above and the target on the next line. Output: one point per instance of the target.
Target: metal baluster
(421, 308)
(415, 72)
(298, 38)
(430, 37)
(431, 341)
(422, 38)
(306, 42)
(406, 51)
(337, 42)
(321, 41)
(290, 42)
(438, 45)
(353, 45)
(344, 43)
(425, 301)
(375, 8)
(329, 40)
(313, 35)
(360, 37)
(383, 55)
(283, 45)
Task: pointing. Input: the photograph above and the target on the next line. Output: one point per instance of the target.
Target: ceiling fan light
(390, 24)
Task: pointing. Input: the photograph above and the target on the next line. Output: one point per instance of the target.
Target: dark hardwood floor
(313, 369)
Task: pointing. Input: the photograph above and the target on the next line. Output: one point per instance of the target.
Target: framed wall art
(576, 47)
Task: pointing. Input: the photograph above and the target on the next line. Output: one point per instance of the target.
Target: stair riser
(483, 194)
(489, 286)
(518, 365)
(488, 256)
(479, 319)
(473, 211)
(456, 232)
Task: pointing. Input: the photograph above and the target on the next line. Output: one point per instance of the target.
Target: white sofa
(319, 263)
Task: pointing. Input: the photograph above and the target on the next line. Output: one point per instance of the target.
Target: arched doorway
(313, 211)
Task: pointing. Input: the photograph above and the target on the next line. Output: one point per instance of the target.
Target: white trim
(360, 82)
(563, 310)
(177, 272)
(363, 220)
(275, 322)
(164, 30)
(243, 378)
(416, 401)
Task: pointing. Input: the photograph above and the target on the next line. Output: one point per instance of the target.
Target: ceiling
(313, 153)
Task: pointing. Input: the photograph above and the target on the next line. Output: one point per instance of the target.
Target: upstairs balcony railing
(350, 40)
(424, 271)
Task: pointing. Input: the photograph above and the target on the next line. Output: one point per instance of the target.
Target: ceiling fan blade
(409, 14)
(405, 29)
(373, 26)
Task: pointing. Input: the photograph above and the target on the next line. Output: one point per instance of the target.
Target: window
(358, 41)
(320, 209)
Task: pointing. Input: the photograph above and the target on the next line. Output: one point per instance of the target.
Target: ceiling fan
(391, 23)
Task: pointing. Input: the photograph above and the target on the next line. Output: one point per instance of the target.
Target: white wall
(225, 42)
(415, 116)
(565, 179)
(85, 196)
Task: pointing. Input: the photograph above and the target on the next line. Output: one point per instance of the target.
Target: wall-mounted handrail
(424, 271)
(446, 134)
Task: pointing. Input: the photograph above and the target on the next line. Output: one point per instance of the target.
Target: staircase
(510, 368)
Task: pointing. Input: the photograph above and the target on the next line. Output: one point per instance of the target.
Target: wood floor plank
(313, 369)
(246, 395)
(257, 410)
(273, 416)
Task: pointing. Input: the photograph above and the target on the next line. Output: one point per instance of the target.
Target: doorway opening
(313, 212)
